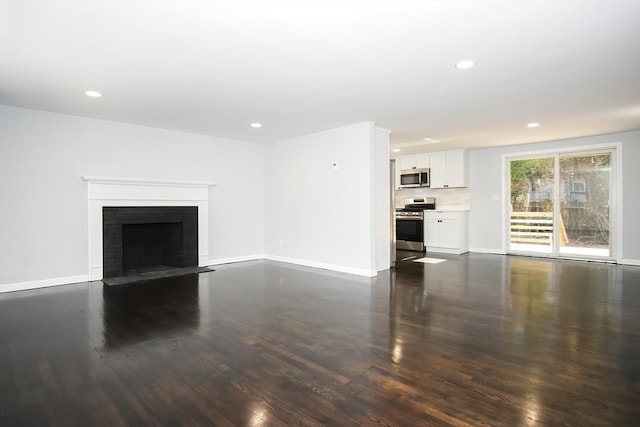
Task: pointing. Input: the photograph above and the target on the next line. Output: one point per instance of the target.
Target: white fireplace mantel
(145, 181)
(119, 191)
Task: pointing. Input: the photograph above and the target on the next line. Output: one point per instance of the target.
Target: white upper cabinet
(449, 169)
(414, 161)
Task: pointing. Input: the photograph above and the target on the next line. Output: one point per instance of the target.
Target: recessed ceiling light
(533, 125)
(430, 140)
(396, 150)
(93, 94)
(466, 63)
(256, 125)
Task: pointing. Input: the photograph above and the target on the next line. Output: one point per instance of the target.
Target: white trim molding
(489, 251)
(118, 191)
(231, 260)
(323, 266)
(296, 261)
(36, 284)
(146, 181)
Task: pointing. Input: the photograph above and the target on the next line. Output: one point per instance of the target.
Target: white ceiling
(213, 67)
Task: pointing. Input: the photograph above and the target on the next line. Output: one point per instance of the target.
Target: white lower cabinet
(446, 231)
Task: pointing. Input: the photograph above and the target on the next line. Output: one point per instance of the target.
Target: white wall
(485, 172)
(317, 216)
(382, 196)
(43, 201)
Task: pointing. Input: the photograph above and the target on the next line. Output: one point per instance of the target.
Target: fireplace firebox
(144, 238)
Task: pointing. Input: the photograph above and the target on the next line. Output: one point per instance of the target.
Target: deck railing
(536, 228)
(532, 227)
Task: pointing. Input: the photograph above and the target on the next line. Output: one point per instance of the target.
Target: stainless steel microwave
(410, 178)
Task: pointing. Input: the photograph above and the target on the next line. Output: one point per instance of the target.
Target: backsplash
(444, 197)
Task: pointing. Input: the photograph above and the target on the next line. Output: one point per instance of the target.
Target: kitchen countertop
(452, 208)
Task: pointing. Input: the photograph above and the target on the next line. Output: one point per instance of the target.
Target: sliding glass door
(585, 195)
(531, 227)
(560, 205)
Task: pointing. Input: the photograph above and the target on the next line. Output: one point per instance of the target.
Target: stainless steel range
(410, 223)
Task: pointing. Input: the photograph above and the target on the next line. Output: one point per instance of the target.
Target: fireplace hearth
(139, 239)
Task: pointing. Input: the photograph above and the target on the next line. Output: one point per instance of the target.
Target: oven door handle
(414, 218)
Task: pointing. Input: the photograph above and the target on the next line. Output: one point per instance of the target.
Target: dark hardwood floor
(476, 340)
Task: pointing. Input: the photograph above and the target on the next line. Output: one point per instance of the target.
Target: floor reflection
(568, 301)
(629, 354)
(144, 311)
(543, 321)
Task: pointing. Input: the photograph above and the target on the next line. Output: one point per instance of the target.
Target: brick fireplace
(142, 238)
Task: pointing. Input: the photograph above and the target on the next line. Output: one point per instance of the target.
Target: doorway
(560, 204)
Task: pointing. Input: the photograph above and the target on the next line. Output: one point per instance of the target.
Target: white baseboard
(487, 251)
(306, 263)
(35, 284)
(629, 261)
(231, 260)
(437, 250)
(324, 266)
(498, 252)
